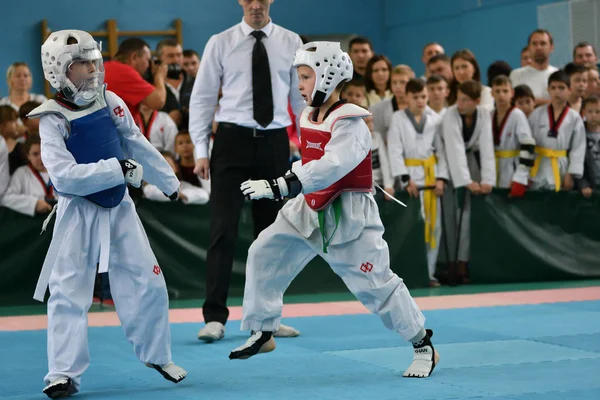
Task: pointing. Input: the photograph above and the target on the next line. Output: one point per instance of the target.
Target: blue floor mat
(536, 352)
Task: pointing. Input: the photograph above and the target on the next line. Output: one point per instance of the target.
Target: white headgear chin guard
(58, 56)
(331, 65)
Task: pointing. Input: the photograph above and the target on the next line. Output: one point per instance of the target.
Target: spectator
(559, 138)
(593, 82)
(179, 84)
(252, 63)
(585, 54)
(32, 125)
(591, 171)
(383, 111)
(158, 128)
(525, 56)
(4, 168)
(535, 75)
(440, 65)
(360, 51)
(430, 50)
(382, 174)
(18, 78)
(9, 131)
(437, 91)
(578, 83)
(497, 68)
(467, 127)
(188, 193)
(377, 79)
(30, 190)
(355, 92)
(465, 68)
(124, 74)
(524, 99)
(184, 149)
(191, 63)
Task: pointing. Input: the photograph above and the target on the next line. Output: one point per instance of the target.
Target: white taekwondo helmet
(331, 66)
(58, 57)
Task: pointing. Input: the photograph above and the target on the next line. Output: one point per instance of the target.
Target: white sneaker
(170, 371)
(259, 342)
(286, 331)
(61, 387)
(424, 360)
(211, 332)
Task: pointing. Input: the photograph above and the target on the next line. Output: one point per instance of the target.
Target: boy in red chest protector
(332, 214)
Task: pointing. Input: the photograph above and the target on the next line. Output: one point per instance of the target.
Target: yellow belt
(553, 155)
(429, 200)
(504, 154)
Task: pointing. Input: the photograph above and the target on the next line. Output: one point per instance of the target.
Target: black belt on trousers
(255, 132)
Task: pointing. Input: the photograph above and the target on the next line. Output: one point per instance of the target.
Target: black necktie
(262, 92)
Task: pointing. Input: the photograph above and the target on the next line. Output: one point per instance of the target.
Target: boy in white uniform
(417, 158)
(334, 215)
(467, 135)
(560, 139)
(89, 143)
(513, 142)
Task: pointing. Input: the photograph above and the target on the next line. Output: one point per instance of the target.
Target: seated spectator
(32, 125)
(497, 68)
(191, 63)
(355, 92)
(124, 77)
(179, 85)
(591, 171)
(377, 79)
(184, 149)
(524, 99)
(465, 68)
(18, 77)
(440, 65)
(158, 128)
(9, 131)
(30, 191)
(188, 193)
(578, 78)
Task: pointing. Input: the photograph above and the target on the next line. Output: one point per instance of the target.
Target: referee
(251, 63)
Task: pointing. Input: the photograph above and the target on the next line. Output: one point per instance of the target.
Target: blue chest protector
(94, 137)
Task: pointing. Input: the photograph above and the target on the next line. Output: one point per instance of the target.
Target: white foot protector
(259, 342)
(170, 371)
(424, 361)
(61, 387)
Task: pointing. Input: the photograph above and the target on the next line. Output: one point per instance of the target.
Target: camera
(173, 70)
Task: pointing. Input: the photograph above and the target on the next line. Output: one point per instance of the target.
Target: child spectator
(158, 128)
(32, 125)
(524, 99)
(184, 148)
(188, 193)
(10, 132)
(578, 81)
(591, 171)
(382, 174)
(383, 111)
(437, 92)
(559, 137)
(30, 190)
(355, 92)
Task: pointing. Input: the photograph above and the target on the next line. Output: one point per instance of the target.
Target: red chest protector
(314, 137)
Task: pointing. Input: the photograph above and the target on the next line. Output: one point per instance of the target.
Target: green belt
(337, 210)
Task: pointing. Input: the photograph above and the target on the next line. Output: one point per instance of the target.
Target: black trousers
(238, 154)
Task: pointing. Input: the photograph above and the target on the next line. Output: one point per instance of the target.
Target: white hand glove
(132, 171)
(255, 190)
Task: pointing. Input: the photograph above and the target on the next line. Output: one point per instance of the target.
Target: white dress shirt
(227, 64)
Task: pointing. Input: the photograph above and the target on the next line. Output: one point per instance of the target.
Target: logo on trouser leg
(366, 267)
(156, 270)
